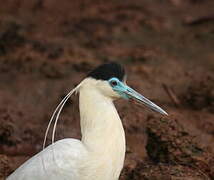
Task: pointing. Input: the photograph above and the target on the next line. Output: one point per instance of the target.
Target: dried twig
(171, 95)
(198, 20)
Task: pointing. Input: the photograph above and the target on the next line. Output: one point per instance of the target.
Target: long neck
(101, 126)
(102, 134)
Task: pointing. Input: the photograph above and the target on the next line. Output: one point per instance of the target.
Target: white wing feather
(59, 161)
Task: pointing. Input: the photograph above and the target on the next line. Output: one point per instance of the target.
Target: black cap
(107, 71)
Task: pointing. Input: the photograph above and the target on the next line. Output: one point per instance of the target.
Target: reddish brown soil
(47, 47)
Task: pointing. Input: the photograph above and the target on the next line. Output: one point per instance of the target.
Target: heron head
(111, 81)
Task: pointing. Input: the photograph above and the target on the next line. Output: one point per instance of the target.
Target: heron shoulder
(60, 159)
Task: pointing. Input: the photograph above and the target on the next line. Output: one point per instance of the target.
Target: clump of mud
(172, 154)
(168, 142)
(150, 171)
(6, 127)
(5, 168)
(10, 37)
(200, 94)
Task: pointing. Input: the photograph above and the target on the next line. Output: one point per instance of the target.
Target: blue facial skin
(119, 87)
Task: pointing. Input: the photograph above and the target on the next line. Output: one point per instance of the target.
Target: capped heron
(100, 153)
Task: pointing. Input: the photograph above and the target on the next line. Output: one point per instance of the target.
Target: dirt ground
(167, 47)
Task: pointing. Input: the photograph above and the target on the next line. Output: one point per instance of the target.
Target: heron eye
(114, 83)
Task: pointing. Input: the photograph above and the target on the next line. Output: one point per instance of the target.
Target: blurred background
(167, 48)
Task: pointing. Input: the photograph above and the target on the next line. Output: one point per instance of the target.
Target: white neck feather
(101, 127)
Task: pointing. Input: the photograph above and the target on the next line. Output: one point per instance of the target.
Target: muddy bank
(47, 48)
